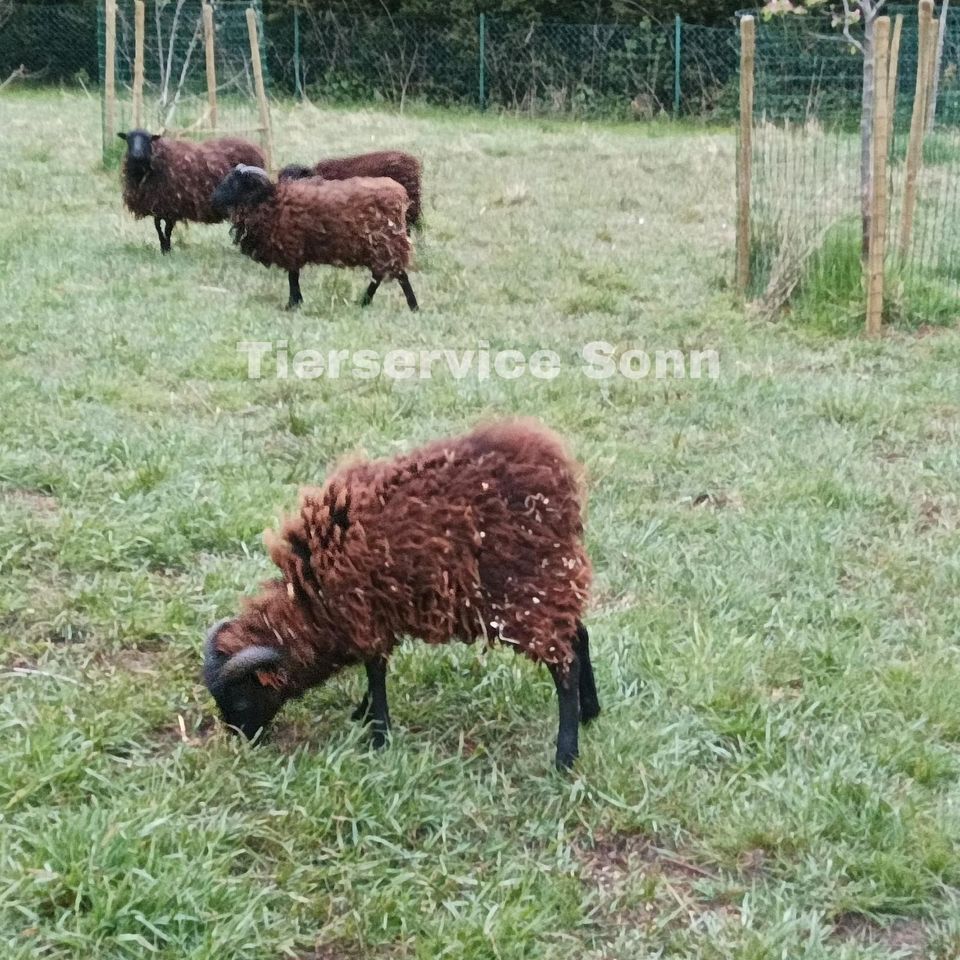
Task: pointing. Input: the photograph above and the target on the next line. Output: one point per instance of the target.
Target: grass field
(775, 621)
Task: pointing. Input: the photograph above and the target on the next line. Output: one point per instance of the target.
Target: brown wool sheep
(405, 168)
(478, 537)
(344, 223)
(172, 180)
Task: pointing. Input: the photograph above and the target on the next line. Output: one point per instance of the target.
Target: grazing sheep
(344, 223)
(479, 537)
(395, 164)
(172, 180)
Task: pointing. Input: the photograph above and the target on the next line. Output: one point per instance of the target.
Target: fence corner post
(876, 253)
(677, 62)
(748, 42)
(482, 74)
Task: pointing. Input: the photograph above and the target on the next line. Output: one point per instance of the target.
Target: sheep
(172, 180)
(345, 223)
(477, 537)
(395, 164)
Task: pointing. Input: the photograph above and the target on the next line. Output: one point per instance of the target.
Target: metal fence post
(482, 77)
(298, 84)
(677, 40)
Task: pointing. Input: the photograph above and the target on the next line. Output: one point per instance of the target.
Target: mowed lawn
(775, 621)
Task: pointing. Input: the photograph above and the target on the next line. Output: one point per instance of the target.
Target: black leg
(568, 697)
(371, 290)
(404, 281)
(379, 712)
(296, 297)
(361, 712)
(589, 702)
(158, 223)
(165, 244)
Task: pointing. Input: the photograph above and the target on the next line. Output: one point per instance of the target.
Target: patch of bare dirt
(673, 887)
(718, 500)
(906, 938)
(936, 515)
(38, 503)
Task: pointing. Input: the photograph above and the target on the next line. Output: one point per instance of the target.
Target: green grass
(775, 618)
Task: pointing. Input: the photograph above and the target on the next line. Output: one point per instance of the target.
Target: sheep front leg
(165, 242)
(589, 701)
(371, 290)
(379, 712)
(568, 697)
(296, 297)
(158, 223)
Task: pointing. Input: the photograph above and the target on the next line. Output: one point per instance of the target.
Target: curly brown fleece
(405, 168)
(475, 537)
(183, 176)
(345, 223)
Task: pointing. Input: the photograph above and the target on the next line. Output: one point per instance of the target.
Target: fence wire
(806, 215)
(175, 93)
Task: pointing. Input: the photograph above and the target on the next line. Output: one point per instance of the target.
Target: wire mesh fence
(176, 84)
(807, 214)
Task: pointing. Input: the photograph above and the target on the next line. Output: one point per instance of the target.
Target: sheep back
(478, 537)
(183, 176)
(395, 164)
(343, 223)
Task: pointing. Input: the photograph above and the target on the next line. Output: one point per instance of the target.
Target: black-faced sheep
(478, 537)
(405, 168)
(344, 223)
(172, 180)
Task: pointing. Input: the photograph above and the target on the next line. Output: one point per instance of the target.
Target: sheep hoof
(293, 305)
(378, 740)
(589, 712)
(565, 760)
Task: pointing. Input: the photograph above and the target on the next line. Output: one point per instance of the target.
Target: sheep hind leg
(404, 282)
(379, 712)
(589, 701)
(361, 712)
(568, 698)
(158, 223)
(165, 242)
(296, 297)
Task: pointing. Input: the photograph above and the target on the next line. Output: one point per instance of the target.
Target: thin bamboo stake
(917, 122)
(748, 41)
(139, 16)
(878, 198)
(892, 73)
(267, 133)
(938, 65)
(110, 70)
(211, 65)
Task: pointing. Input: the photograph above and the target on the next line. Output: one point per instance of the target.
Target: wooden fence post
(917, 124)
(138, 31)
(748, 43)
(110, 70)
(878, 195)
(937, 65)
(211, 64)
(261, 91)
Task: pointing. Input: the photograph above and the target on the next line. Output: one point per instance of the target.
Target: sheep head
(295, 171)
(243, 186)
(241, 683)
(139, 150)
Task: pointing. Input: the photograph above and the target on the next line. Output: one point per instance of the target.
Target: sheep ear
(122, 136)
(248, 661)
(155, 137)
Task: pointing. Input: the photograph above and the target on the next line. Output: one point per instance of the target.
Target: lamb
(172, 180)
(478, 537)
(344, 223)
(395, 164)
